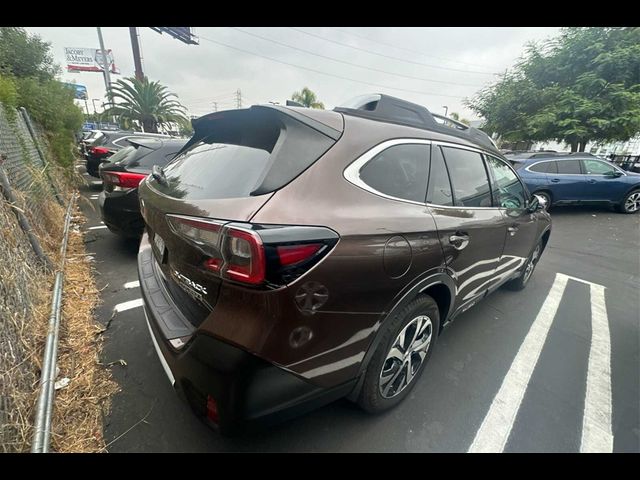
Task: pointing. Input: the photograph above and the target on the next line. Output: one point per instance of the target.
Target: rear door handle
(459, 241)
(593, 181)
(555, 180)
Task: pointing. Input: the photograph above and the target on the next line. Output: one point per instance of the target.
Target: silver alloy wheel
(543, 199)
(632, 203)
(532, 263)
(406, 356)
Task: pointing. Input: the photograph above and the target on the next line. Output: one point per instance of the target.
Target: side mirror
(537, 203)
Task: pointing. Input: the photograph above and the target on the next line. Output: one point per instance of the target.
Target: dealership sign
(88, 60)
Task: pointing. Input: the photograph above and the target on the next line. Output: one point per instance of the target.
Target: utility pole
(238, 99)
(137, 59)
(446, 110)
(215, 106)
(105, 63)
(93, 100)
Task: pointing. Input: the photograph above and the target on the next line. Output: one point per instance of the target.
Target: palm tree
(145, 102)
(307, 98)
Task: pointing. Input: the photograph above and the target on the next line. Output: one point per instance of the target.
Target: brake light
(246, 260)
(99, 150)
(254, 254)
(123, 179)
(291, 254)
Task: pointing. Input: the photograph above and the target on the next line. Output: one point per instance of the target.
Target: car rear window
(160, 157)
(241, 153)
(123, 155)
(216, 171)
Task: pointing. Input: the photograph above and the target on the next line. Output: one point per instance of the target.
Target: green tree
(581, 86)
(148, 103)
(28, 79)
(307, 98)
(24, 55)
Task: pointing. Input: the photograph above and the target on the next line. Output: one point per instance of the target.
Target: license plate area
(159, 247)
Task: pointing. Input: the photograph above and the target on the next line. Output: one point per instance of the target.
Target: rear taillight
(123, 179)
(99, 150)
(245, 261)
(292, 254)
(254, 254)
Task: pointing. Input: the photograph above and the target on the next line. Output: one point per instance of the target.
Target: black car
(118, 200)
(104, 145)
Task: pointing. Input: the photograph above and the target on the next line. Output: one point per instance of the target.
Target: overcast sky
(431, 66)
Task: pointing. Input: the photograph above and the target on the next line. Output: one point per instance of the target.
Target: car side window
(541, 167)
(569, 167)
(400, 171)
(439, 191)
(508, 191)
(468, 178)
(596, 167)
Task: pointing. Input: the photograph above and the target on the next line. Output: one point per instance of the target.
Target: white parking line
(596, 420)
(121, 307)
(134, 284)
(494, 432)
(97, 227)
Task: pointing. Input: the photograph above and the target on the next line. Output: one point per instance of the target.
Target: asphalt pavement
(554, 368)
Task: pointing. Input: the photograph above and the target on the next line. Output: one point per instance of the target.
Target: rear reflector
(123, 179)
(212, 409)
(290, 254)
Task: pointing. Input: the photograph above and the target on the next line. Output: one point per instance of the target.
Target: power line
(408, 49)
(354, 64)
(329, 74)
(389, 56)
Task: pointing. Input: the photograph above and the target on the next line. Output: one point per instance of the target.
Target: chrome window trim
(352, 172)
(579, 160)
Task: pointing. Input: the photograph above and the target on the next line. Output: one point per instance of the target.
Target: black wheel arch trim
(431, 280)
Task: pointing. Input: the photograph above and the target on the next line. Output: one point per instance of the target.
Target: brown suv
(295, 256)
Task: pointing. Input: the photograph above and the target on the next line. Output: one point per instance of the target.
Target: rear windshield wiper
(158, 174)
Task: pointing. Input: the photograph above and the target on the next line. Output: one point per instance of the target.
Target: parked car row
(98, 145)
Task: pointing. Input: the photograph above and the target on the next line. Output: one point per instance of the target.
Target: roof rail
(390, 109)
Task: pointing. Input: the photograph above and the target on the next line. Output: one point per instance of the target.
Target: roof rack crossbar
(390, 109)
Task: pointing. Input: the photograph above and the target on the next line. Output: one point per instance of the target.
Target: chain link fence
(33, 196)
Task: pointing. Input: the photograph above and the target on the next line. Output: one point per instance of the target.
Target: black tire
(547, 196)
(623, 207)
(522, 280)
(370, 397)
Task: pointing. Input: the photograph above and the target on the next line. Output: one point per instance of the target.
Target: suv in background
(580, 179)
(106, 143)
(118, 201)
(295, 256)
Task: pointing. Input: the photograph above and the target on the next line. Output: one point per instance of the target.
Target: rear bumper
(249, 391)
(121, 213)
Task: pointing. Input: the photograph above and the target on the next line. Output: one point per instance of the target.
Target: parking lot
(521, 371)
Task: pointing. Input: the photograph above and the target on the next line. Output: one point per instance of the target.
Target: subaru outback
(292, 256)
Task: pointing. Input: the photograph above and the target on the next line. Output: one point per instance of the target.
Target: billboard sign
(80, 91)
(88, 60)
